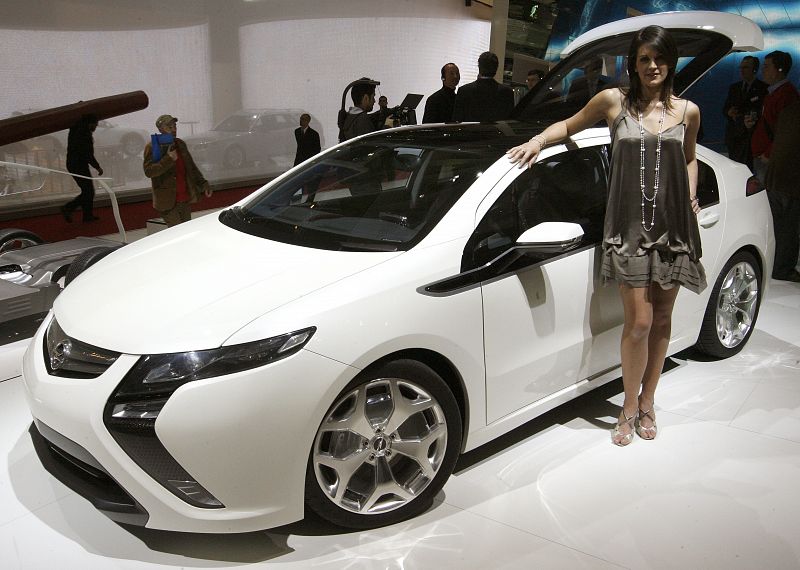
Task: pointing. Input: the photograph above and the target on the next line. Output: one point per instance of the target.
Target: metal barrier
(111, 195)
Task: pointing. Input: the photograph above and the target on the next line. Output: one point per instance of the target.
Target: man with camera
(357, 121)
(176, 180)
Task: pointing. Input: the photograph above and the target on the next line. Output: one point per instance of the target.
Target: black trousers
(786, 220)
(86, 198)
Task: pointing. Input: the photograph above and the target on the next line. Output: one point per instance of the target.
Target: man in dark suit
(439, 106)
(583, 88)
(745, 98)
(307, 140)
(485, 99)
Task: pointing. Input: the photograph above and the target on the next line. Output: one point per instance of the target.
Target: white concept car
(338, 338)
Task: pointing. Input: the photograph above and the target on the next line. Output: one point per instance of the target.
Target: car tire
(732, 308)
(12, 239)
(395, 433)
(85, 260)
(234, 157)
(132, 145)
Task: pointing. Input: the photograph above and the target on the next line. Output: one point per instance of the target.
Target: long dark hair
(663, 43)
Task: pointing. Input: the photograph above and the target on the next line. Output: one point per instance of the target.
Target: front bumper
(244, 437)
(77, 469)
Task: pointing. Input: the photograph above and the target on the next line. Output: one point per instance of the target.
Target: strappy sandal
(647, 433)
(619, 438)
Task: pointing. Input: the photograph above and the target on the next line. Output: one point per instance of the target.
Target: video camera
(404, 113)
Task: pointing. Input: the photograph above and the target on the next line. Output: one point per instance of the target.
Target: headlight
(130, 414)
(159, 375)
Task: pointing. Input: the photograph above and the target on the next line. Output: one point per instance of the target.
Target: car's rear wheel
(385, 448)
(234, 157)
(85, 260)
(12, 238)
(132, 145)
(732, 308)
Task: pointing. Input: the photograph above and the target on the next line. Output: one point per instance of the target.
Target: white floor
(718, 488)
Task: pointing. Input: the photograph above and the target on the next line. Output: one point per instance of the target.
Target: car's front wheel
(12, 239)
(234, 157)
(385, 447)
(732, 308)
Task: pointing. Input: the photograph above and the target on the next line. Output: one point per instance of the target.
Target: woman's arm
(595, 111)
(689, 145)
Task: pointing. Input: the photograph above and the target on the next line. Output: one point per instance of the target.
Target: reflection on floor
(717, 489)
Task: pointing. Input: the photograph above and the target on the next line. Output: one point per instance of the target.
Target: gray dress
(669, 253)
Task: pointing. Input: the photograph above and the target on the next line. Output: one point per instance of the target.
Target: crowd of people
(762, 130)
(648, 256)
(761, 116)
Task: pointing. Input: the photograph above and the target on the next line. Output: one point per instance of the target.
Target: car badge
(60, 354)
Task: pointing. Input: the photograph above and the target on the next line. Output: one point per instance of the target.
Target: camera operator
(358, 122)
(384, 112)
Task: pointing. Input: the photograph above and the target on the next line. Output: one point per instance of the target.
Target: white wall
(49, 68)
(201, 61)
(308, 63)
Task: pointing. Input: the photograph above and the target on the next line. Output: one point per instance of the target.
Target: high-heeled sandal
(646, 432)
(624, 438)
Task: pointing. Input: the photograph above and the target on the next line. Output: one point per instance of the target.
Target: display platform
(716, 489)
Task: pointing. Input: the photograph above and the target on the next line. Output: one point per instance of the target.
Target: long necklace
(645, 197)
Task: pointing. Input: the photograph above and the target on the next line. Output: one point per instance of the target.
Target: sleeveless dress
(669, 253)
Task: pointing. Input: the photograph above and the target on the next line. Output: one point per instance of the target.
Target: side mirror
(551, 237)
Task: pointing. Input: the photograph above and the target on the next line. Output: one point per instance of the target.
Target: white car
(337, 339)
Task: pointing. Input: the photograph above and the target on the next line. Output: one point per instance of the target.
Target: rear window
(603, 65)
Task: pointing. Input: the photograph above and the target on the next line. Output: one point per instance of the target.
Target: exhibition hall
(399, 284)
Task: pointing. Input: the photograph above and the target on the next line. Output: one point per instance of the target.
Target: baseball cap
(165, 120)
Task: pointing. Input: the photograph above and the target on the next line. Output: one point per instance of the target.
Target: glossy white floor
(718, 488)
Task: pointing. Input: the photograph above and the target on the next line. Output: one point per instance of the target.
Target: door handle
(709, 219)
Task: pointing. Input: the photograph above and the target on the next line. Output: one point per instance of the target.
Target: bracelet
(541, 139)
(694, 199)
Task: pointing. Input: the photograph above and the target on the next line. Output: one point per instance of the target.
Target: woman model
(651, 240)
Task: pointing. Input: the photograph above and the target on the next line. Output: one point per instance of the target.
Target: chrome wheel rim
(132, 146)
(380, 446)
(736, 304)
(234, 158)
(17, 243)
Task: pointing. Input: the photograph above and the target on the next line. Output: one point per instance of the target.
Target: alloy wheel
(380, 446)
(737, 304)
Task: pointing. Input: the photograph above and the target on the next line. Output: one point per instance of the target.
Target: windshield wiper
(352, 246)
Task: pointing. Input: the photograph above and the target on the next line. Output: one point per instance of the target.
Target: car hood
(193, 286)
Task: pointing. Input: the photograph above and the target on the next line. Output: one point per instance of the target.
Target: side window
(569, 187)
(707, 188)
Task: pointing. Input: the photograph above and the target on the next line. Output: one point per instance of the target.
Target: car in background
(338, 338)
(261, 137)
(108, 137)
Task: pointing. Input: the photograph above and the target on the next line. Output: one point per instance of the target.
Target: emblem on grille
(60, 354)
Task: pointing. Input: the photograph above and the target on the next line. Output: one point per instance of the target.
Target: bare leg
(663, 301)
(638, 311)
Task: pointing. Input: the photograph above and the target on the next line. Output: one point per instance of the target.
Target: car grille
(71, 358)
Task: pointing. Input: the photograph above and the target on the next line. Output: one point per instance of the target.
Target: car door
(547, 322)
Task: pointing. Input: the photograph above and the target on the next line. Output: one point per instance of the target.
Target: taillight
(754, 186)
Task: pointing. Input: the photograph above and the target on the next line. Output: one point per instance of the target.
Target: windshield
(603, 64)
(236, 124)
(384, 192)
